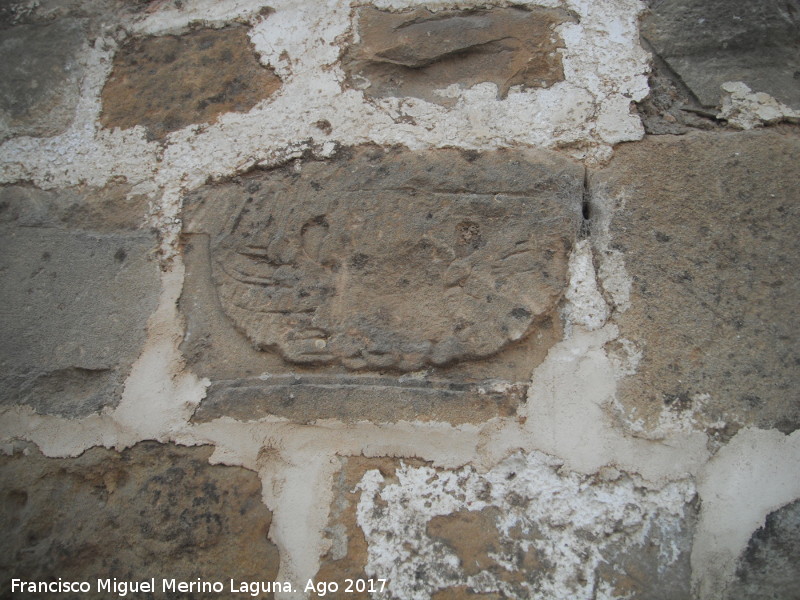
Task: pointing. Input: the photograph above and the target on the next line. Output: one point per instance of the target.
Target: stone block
(75, 302)
(708, 43)
(521, 530)
(154, 510)
(706, 225)
(417, 52)
(40, 77)
(168, 82)
(769, 567)
(382, 261)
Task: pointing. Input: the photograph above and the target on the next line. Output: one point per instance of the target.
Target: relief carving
(391, 260)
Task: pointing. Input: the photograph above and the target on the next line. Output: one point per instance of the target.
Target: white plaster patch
(756, 473)
(570, 521)
(613, 277)
(585, 306)
(746, 109)
(569, 415)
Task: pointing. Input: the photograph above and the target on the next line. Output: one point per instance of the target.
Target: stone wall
(400, 299)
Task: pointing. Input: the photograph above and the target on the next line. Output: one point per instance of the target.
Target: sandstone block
(75, 302)
(166, 83)
(382, 261)
(150, 511)
(710, 42)
(707, 228)
(416, 52)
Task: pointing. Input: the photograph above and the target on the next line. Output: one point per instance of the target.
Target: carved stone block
(387, 261)
(415, 53)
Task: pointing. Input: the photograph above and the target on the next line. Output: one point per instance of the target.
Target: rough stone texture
(347, 555)
(392, 260)
(708, 43)
(456, 535)
(166, 83)
(384, 261)
(671, 107)
(307, 398)
(707, 228)
(769, 567)
(74, 303)
(416, 52)
(40, 77)
(150, 511)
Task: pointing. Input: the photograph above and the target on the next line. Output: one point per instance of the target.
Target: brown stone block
(153, 510)
(166, 83)
(707, 225)
(413, 53)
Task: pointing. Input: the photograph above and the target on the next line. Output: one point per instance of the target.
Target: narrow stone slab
(74, 304)
(166, 83)
(352, 398)
(709, 42)
(707, 227)
(152, 511)
(416, 52)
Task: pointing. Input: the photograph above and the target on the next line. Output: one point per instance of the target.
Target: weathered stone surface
(40, 77)
(166, 83)
(392, 260)
(769, 568)
(521, 530)
(350, 398)
(383, 261)
(709, 42)
(111, 209)
(150, 511)
(707, 228)
(416, 52)
(347, 556)
(74, 303)
(671, 107)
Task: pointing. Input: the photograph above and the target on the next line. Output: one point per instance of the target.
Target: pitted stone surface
(392, 260)
(40, 77)
(710, 42)
(416, 52)
(769, 567)
(521, 530)
(75, 302)
(166, 83)
(707, 228)
(150, 511)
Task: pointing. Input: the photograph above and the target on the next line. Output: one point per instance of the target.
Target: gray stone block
(73, 306)
(710, 42)
(40, 77)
